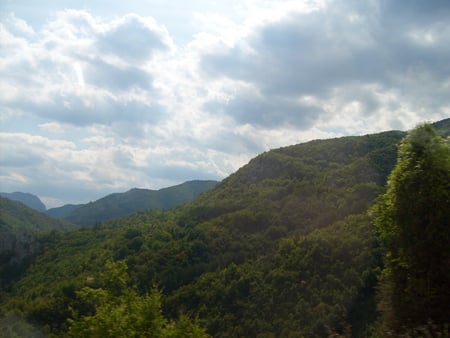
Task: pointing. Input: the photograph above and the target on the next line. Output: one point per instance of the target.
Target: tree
(413, 218)
(118, 311)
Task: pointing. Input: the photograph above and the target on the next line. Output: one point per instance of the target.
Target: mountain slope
(306, 186)
(20, 230)
(283, 247)
(17, 217)
(63, 211)
(30, 200)
(134, 200)
(443, 127)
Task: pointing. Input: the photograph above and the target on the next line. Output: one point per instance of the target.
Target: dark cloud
(133, 40)
(99, 109)
(388, 44)
(267, 112)
(303, 54)
(415, 12)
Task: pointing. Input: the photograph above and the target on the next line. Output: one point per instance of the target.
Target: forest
(345, 237)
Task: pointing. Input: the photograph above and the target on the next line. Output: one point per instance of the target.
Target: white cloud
(100, 100)
(335, 56)
(75, 70)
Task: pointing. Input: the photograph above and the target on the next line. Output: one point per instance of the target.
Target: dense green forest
(294, 244)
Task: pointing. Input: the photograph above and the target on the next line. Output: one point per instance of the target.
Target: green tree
(118, 311)
(413, 221)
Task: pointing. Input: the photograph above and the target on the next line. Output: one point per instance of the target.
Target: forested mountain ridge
(292, 186)
(135, 200)
(30, 200)
(283, 247)
(17, 217)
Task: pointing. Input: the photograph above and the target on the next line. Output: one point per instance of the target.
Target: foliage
(413, 221)
(307, 286)
(16, 217)
(118, 311)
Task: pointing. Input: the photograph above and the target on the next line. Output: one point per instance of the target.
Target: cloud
(17, 26)
(101, 74)
(267, 112)
(133, 38)
(62, 171)
(98, 101)
(80, 70)
(401, 50)
(302, 53)
(415, 12)
(69, 171)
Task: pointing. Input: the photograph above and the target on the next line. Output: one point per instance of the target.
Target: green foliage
(16, 217)
(307, 286)
(413, 221)
(118, 311)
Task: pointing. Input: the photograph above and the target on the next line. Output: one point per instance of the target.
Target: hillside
(17, 217)
(443, 127)
(134, 200)
(283, 247)
(63, 211)
(20, 230)
(30, 200)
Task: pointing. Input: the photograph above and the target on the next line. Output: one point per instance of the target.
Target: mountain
(61, 212)
(20, 230)
(29, 200)
(17, 217)
(134, 200)
(283, 247)
(443, 127)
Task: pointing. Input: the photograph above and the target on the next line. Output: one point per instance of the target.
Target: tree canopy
(113, 309)
(413, 221)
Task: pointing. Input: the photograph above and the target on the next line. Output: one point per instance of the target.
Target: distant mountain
(18, 218)
(61, 212)
(134, 200)
(30, 200)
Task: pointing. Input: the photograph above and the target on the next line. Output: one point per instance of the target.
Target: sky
(102, 96)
